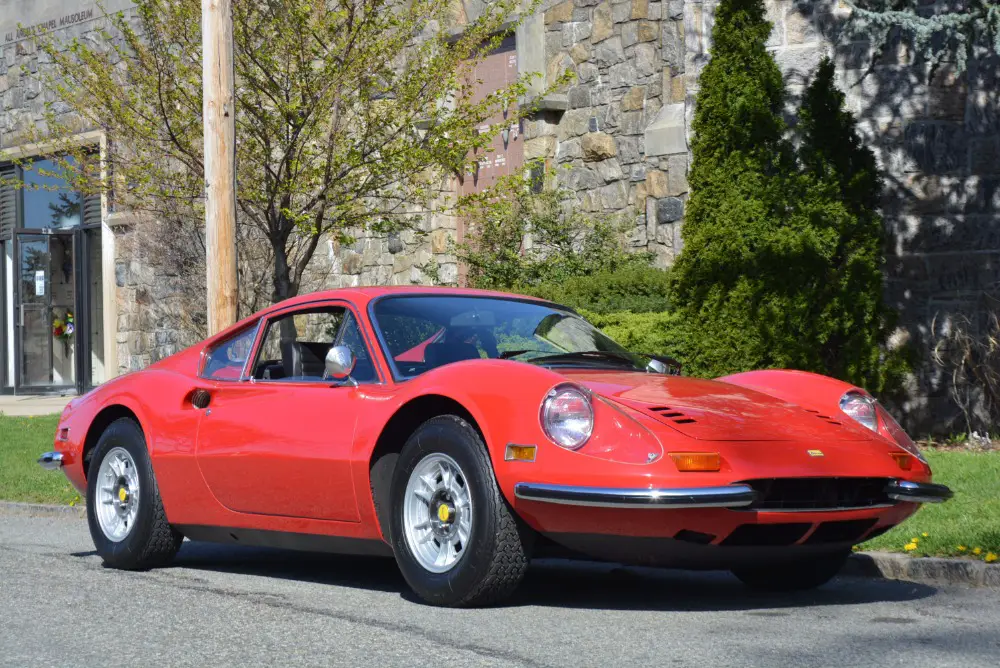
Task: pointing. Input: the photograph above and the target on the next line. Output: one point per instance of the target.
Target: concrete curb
(925, 570)
(42, 509)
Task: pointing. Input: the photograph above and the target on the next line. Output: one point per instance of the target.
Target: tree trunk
(284, 287)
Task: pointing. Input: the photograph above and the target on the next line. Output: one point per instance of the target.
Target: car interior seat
(439, 354)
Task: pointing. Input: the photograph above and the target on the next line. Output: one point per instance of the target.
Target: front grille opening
(767, 535)
(672, 413)
(818, 493)
(844, 531)
(694, 537)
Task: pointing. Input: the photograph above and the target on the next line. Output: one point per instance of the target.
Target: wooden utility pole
(219, 114)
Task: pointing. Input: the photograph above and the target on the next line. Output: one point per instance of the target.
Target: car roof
(363, 295)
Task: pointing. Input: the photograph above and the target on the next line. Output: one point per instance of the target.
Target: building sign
(28, 18)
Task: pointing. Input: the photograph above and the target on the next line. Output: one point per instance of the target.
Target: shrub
(520, 239)
(633, 288)
(656, 333)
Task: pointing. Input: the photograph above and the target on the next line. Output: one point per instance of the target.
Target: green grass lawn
(971, 519)
(22, 439)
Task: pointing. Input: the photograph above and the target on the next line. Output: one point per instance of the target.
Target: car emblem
(815, 453)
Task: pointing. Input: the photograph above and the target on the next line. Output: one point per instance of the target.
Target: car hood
(712, 410)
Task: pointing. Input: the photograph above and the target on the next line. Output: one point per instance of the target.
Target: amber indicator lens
(697, 461)
(520, 453)
(904, 460)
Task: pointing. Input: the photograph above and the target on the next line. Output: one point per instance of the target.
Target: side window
(225, 361)
(294, 346)
(350, 336)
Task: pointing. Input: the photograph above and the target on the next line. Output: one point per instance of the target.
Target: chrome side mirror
(340, 363)
(656, 366)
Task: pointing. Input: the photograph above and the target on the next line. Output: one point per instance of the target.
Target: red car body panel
(295, 457)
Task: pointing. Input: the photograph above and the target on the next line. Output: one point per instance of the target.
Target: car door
(278, 440)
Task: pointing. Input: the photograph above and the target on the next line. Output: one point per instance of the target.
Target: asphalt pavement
(226, 606)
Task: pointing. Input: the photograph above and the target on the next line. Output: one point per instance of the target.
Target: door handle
(20, 315)
(201, 398)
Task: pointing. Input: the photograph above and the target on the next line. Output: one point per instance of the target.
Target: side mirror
(340, 363)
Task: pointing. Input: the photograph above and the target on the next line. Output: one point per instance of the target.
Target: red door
(281, 448)
(497, 71)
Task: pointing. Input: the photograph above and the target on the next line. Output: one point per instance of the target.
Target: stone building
(620, 131)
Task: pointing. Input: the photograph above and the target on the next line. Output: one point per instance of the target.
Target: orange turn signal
(520, 453)
(697, 461)
(904, 460)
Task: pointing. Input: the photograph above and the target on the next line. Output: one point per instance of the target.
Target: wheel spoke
(423, 496)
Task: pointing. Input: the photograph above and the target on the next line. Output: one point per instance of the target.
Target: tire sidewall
(455, 438)
(125, 434)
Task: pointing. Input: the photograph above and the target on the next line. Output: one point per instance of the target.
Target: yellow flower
(961, 548)
(909, 547)
(977, 551)
(914, 540)
(924, 534)
(990, 557)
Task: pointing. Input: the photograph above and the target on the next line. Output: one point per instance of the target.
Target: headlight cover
(899, 435)
(567, 416)
(861, 408)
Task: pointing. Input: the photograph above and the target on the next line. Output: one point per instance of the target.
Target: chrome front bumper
(729, 496)
(917, 492)
(51, 461)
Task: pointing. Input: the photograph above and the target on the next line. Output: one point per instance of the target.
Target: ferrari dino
(464, 432)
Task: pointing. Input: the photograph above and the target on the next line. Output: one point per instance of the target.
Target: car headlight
(861, 408)
(567, 416)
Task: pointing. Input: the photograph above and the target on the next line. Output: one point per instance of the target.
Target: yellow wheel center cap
(122, 494)
(444, 512)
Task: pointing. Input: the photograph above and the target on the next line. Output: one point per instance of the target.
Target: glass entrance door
(46, 317)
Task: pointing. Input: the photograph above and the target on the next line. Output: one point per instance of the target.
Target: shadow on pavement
(556, 583)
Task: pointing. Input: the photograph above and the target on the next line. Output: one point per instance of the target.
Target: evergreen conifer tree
(782, 260)
(837, 166)
(735, 233)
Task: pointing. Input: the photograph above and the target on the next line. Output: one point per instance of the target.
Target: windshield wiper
(587, 355)
(507, 354)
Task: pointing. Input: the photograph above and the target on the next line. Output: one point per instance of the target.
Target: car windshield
(421, 332)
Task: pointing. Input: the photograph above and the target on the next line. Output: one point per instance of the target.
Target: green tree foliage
(781, 264)
(520, 239)
(348, 113)
(939, 32)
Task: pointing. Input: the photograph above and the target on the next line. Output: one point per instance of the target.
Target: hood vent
(671, 414)
(825, 418)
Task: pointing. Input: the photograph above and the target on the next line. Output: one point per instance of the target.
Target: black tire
(796, 576)
(151, 541)
(498, 550)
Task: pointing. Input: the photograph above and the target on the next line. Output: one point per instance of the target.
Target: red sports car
(464, 432)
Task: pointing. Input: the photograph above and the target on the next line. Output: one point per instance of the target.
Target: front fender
(803, 388)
